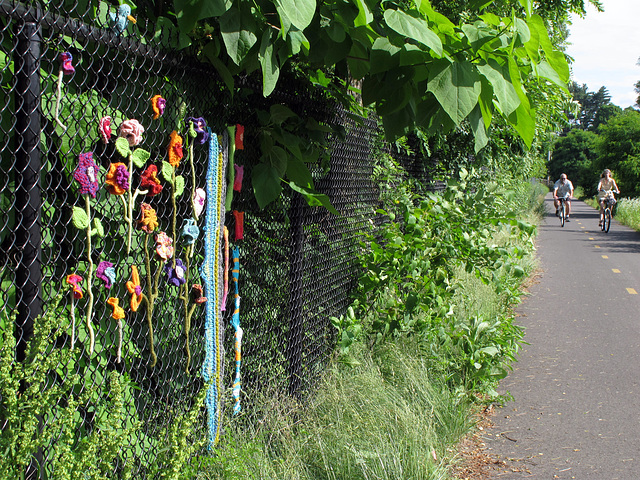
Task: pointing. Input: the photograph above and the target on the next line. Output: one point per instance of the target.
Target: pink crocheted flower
(87, 174)
(65, 63)
(75, 281)
(164, 246)
(104, 129)
(132, 131)
(199, 197)
(237, 182)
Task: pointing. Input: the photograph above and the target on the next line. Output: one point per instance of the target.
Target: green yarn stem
(92, 335)
(149, 300)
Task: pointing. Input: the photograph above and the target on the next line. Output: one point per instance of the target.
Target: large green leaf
(498, 76)
(188, 12)
(269, 64)
(358, 61)
(300, 12)
(479, 132)
(456, 86)
(314, 198)
(556, 59)
(237, 34)
(298, 172)
(384, 55)
(523, 121)
(415, 29)
(265, 180)
(365, 16)
(211, 52)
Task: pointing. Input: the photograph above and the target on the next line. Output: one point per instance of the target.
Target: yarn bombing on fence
(120, 20)
(211, 273)
(235, 322)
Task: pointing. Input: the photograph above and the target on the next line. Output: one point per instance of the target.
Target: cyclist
(606, 187)
(560, 189)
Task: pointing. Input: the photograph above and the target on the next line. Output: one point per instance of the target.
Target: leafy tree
(590, 105)
(619, 150)
(574, 155)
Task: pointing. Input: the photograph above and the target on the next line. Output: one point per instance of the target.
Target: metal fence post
(296, 296)
(27, 181)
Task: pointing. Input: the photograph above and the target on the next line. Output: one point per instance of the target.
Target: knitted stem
(73, 321)
(193, 183)
(128, 208)
(56, 114)
(119, 358)
(184, 296)
(92, 335)
(174, 213)
(150, 299)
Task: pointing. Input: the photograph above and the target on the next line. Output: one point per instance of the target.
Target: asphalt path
(576, 385)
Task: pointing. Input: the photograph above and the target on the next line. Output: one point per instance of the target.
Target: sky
(606, 47)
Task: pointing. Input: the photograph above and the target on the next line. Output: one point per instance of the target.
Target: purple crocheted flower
(87, 174)
(200, 126)
(106, 273)
(176, 275)
(65, 63)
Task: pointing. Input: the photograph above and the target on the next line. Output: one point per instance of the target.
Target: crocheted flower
(150, 182)
(118, 312)
(197, 293)
(104, 129)
(175, 149)
(117, 178)
(200, 127)
(164, 246)
(135, 289)
(176, 274)
(239, 230)
(148, 221)
(106, 273)
(239, 137)
(158, 105)
(87, 174)
(199, 197)
(75, 280)
(190, 231)
(132, 131)
(65, 63)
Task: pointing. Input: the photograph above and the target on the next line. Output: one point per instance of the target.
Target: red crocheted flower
(87, 174)
(175, 149)
(117, 179)
(239, 137)
(104, 129)
(150, 182)
(75, 280)
(65, 63)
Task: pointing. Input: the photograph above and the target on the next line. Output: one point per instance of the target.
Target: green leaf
(237, 35)
(298, 172)
(365, 16)
(98, 229)
(139, 157)
(358, 61)
(523, 30)
(265, 180)
(188, 12)
(80, 218)
(524, 122)
(384, 56)
(556, 59)
(167, 171)
(300, 12)
(414, 28)
(269, 64)
(497, 75)
(528, 6)
(479, 131)
(278, 159)
(456, 86)
(314, 198)
(279, 113)
(297, 42)
(122, 147)
(179, 185)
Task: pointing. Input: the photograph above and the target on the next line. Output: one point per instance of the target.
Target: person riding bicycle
(606, 187)
(560, 189)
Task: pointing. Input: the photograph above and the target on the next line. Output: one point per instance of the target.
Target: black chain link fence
(297, 262)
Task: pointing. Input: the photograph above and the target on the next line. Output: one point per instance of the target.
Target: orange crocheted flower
(135, 289)
(148, 219)
(158, 105)
(118, 312)
(117, 179)
(175, 149)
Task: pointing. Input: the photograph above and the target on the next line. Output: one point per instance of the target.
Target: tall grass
(628, 212)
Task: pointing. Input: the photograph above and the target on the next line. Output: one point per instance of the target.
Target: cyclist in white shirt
(560, 189)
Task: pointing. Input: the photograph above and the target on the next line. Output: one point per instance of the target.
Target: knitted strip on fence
(235, 321)
(211, 272)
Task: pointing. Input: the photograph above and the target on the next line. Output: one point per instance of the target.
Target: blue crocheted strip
(210, 273)
(235, 322)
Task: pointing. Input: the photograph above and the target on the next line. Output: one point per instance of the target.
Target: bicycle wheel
(563, 211)
(606, 224)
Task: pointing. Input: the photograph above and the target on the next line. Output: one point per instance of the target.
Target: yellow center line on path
(581, 227)
(591, 238)
(596, 246)
(632, 291)
(605, 256)
(615, 270)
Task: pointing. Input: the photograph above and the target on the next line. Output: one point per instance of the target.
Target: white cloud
(605, 47)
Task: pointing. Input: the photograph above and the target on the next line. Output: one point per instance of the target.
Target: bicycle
(609, 202)
(562, 208)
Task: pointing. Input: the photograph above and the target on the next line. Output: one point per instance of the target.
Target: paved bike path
(576, 413)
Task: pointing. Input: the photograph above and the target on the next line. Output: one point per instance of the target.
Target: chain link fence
(297, 262)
